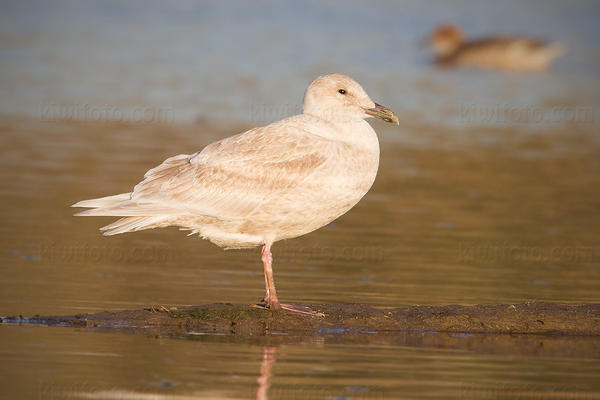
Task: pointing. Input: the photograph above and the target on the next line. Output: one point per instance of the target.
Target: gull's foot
(290, 308)
(300, 310)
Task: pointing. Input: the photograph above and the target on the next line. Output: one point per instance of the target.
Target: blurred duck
(510, 53)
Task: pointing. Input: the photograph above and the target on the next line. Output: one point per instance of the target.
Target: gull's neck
(354, 131)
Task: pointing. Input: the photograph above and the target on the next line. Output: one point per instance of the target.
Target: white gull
(270, 183)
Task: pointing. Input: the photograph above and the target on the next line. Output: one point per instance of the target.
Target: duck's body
(509, 53)
(270, 183)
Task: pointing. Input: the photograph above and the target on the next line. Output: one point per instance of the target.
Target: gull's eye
(341, 91)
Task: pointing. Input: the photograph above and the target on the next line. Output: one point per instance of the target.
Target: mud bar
(541, 318)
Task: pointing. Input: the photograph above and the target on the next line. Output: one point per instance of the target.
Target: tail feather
(121, 205)
(132, 224)
(137, 216)
(129, 209)
(104, 201)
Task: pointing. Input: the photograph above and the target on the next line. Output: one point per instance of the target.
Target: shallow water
(488, 192)
(57, 363)
(481, 216)
(508, 219)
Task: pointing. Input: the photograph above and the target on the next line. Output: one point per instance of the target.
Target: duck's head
(445, 39)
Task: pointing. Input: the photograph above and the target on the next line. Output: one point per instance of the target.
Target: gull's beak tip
(383, 113)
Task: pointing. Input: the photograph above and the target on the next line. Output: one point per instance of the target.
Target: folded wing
(227, 180)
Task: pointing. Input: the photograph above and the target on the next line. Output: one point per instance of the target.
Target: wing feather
(231, 178)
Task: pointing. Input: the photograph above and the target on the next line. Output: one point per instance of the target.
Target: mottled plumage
(270, 183)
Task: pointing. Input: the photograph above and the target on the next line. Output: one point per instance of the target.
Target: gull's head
(337, 97)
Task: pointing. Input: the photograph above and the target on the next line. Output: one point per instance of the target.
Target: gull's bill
(383, 113)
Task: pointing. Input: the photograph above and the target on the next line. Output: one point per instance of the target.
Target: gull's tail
(107, 201)
(136, 217)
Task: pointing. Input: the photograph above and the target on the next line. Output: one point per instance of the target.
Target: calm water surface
(488, 192)
(252, 61)
(486, 218)
(58, 363)
(489, 216)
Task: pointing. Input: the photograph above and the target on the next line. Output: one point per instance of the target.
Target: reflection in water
(59, 363)
(268, 359)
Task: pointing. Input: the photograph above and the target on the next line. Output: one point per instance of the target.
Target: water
(487, 193)
(58, 363)
(156, 61)
(483, 217)
(506, 219)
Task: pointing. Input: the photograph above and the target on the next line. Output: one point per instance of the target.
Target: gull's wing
(231, 178)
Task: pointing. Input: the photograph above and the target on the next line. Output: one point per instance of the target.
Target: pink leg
(271, 300)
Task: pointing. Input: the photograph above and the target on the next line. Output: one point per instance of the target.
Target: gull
(267, 184)
(509, 53)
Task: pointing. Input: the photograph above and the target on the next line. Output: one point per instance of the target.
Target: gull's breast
(328, 192)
